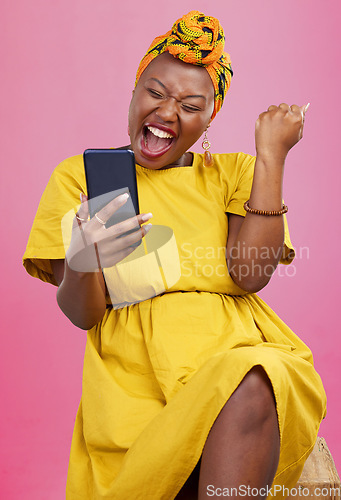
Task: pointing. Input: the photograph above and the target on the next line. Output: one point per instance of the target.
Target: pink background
(68, 69)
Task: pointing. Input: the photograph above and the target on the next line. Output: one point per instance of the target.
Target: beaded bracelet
(265, 212)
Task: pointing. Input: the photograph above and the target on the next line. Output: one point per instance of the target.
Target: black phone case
(109, 173)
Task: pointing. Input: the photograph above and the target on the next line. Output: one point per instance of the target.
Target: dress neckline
(172, 169)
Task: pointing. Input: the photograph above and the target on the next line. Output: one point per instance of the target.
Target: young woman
(199, 386)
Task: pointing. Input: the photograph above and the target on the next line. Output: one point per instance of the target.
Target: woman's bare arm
(81, 296)
(81, 291)
(255, 243)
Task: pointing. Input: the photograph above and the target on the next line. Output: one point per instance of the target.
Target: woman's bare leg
(242, 448)
(189, 491)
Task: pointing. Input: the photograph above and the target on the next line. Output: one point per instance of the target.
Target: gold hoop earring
(208, 159)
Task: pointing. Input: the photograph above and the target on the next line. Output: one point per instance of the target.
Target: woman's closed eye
(190, 107)
(155, 93)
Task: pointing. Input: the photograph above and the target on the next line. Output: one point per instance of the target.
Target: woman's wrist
(270, 163)
(81, 297)
(71, 274)
(267, 185)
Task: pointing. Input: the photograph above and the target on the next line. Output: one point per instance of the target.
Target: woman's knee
(255, 398)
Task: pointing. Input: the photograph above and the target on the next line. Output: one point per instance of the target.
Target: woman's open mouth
(156, 140)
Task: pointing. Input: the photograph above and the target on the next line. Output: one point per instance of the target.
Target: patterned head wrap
(196, 39)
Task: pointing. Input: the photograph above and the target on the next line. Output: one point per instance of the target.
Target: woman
(202, 375)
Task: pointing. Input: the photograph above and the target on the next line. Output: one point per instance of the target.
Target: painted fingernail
(306, 107)
(122, 197)
(147, 227)
(146, 217)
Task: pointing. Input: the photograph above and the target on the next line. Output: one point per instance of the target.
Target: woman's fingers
(294, 108)
(103, 215)
(106, 212)
(278, 129)
(297, 111)
(128, 224)
(83, 213)
(112, 244)
(123, 247)
(114, 258)
(284, 106)
(103, 233)
(114, 240)
(111, 251)
(303, 110)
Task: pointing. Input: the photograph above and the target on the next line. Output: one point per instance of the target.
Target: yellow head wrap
(196, 39)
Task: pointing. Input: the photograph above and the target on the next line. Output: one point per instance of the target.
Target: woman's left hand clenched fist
(278, 129)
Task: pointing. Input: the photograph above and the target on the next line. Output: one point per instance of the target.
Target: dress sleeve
(240, 193)
(61, 195)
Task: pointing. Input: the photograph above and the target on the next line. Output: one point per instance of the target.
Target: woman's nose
(168, 109)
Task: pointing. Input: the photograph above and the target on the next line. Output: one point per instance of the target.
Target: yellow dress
(157, 372)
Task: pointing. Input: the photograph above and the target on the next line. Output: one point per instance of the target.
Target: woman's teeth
(159, 133)
(155, 141)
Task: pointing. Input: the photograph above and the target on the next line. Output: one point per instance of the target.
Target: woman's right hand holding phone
(81, 291)
(94, 246)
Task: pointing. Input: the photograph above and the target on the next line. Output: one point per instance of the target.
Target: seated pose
(191, 383)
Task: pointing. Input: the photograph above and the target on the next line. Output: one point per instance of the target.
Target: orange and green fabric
(200, 40)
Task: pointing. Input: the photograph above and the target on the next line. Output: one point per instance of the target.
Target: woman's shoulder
(239, 159)
(232, 165)
(71, 166)
(68, 174)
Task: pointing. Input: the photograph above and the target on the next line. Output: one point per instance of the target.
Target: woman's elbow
(248, 278)
(83, 318)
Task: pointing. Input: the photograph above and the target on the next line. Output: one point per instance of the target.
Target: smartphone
(109, 173)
